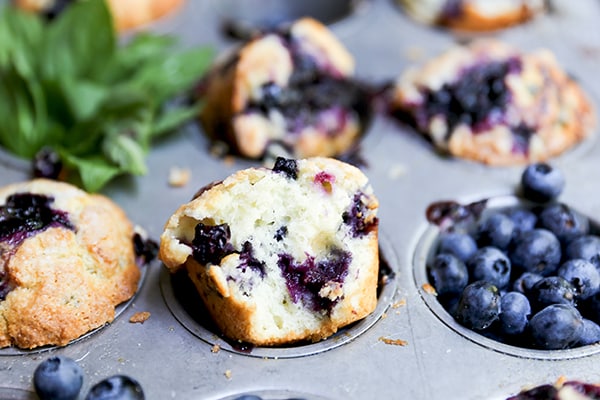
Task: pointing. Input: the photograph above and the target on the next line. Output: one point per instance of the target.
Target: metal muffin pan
(407, 350)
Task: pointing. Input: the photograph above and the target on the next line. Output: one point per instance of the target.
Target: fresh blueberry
(590, 334)
(536, 251)
(514, 313)
(583, 275)
(590, 308)
(496, 230)
(566, 223)
(585, 247)
(557, 326)
(541, 182)
(551, 290)
(58, 378)
(523, 219)
(47, 164)
(117, 387)
(461, 245)
(479, 305)
(525, 282)
(448, 274)
(491, 265)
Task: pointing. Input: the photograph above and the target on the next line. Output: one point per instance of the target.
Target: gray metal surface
(438, 361)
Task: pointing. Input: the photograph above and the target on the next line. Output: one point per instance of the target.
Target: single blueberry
(461, 245)
(491, 265)
(583, 275)
(525, 282)
(566, 223)
(551, 290)
(514, 313)
(116, 387)
(557, 326)
(585, 247)
(58, 378)
(523, 219)
(590, 308)
(47, 164)
(536, 251)
(448, 274)
(496, 230)
(479, 305)
(541, 182)
(590, 334)
(288, 167)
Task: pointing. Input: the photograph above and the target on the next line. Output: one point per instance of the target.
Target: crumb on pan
(140, 317)
(429, 289)
(215, 349)
(179, 177)
(395, 342)
(228, 374)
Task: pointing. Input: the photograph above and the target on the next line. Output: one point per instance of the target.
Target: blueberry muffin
(127, 14)
(288, 92)
(569, 390)
(280, 255)
(473, 15)
(67, 259)
(491, 103)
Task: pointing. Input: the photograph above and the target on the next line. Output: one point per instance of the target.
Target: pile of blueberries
(61, 378)
(527, 275)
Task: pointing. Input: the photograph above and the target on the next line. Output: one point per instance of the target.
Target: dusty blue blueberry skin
(461, 245)
(590, 334)
(541, 182)
(514, 313)
(523, 219)
(586, 247)
(491, 265)
(58, 378)
(116, 387)
(551, 290)
(496, 230)
(566, 223)
(448, 274)
(525, 282)
(583, 275)
(536, 251)
(556, 327)
(479, 305)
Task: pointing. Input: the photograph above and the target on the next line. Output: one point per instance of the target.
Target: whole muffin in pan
(288, 92)
(67, 258)
(489, 102)
(127, 14)
(280, 255)
(473, 15)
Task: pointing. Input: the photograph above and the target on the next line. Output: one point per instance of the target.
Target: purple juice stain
(356, 217)
(447, 214)
(305, 280)
(145, 250)
(247, 260)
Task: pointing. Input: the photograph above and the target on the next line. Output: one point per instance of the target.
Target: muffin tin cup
(424, 253)
(185, 304)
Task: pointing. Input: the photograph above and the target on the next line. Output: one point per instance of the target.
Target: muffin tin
(410, 348)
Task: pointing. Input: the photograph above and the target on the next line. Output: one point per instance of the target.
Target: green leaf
(84, 98)
(171, 75)
(94, 171)
(21, 36)
(126, 153)
(172, 118)
(79, 42)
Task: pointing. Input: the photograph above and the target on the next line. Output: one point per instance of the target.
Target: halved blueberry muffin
(67, 259)
(489, 102)
(288, 92)
(280, 255)
(473, 15)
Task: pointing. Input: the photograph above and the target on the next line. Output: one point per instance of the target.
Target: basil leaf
(21, 36)
(170, 119)
(94, 172)
(125, 152)
(79, 42)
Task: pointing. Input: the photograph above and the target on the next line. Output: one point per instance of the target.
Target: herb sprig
(69, 85)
